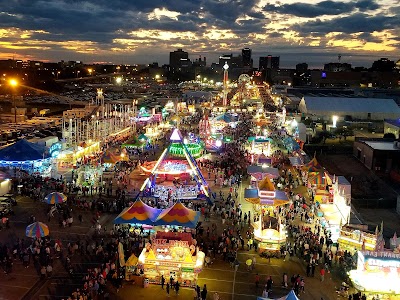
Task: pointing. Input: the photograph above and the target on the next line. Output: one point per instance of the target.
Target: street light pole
(14, 84)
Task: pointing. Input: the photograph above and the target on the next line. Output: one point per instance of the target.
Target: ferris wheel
(244, 78)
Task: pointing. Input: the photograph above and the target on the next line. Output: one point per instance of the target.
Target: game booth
(173, 254)
(112, 157)
(268, 229)
(333, 215)
(260, 145)
(175, 175)
(377, 273)
(73, 157)
(218, 123)
(143, 117)
(353, 239)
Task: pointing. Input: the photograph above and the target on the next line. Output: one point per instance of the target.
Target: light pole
(13, 84)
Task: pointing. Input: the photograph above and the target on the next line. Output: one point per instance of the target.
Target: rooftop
(395, 122)
(347, 104)
(382, 145)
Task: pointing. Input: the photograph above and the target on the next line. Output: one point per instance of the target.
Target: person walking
(43, 272)
(162, 281)
(269, 283)
(322, 273)
(177, 287)
(204, 293)
(49, 270)
(257, 280)
(167, 289)
(285, 280)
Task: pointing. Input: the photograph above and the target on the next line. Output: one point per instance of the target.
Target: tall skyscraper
(246, 58)
(178, 59)
(268, 62)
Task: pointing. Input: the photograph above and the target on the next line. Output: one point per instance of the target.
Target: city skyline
(146, 31)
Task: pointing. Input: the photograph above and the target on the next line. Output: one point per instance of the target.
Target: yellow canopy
(266, 185)
(132, 261)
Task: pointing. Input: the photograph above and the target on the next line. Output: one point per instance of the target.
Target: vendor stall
(353, 239)
(336, 214)
(378, 272)
(172, 254)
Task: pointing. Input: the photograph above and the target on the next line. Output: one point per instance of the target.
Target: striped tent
(178, 215)
(313, 166)
(138, 213)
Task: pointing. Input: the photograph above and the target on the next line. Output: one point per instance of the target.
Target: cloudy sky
(143, 31)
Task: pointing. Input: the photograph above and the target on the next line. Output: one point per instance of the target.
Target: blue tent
(24, 151)
(228, 118)
(290, 296)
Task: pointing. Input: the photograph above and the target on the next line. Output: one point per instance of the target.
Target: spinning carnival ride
(175, 175)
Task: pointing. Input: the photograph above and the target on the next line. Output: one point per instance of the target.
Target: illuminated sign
(55, 149)
(174, 167)
(266, 194)
(178, 243)
(187, 269)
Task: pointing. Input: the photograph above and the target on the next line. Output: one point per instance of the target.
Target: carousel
(269, 230)
(27, 156)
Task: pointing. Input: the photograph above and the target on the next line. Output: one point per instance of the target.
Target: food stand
(172, 254)
(336, 214)
(354, 239)
(377, 272)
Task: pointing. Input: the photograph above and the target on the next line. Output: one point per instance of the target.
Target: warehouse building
(373, 109)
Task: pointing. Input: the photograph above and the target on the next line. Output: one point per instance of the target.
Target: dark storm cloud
(322, 8)
(358, 22)
(100, 20)
(228, 11)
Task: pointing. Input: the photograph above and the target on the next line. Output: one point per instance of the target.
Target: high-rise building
(383, 65)
(247, 61)
(178, 58)
(268, 62)
(301, 68)
(337, 67)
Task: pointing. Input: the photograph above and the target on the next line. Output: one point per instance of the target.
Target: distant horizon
(288, 60)
(142, 31)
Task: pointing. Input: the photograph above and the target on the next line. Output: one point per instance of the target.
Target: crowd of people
(225, 231)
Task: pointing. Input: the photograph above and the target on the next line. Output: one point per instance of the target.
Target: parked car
(9, 199)
(5, 211)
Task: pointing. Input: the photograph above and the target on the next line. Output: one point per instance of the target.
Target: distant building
(347, 107)
(327, 78)
(268, 62)
(301, 68)
(379, 155)
(392, 126)
(178, 59)
(383, 65)
(247, 61)
(337, 67)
